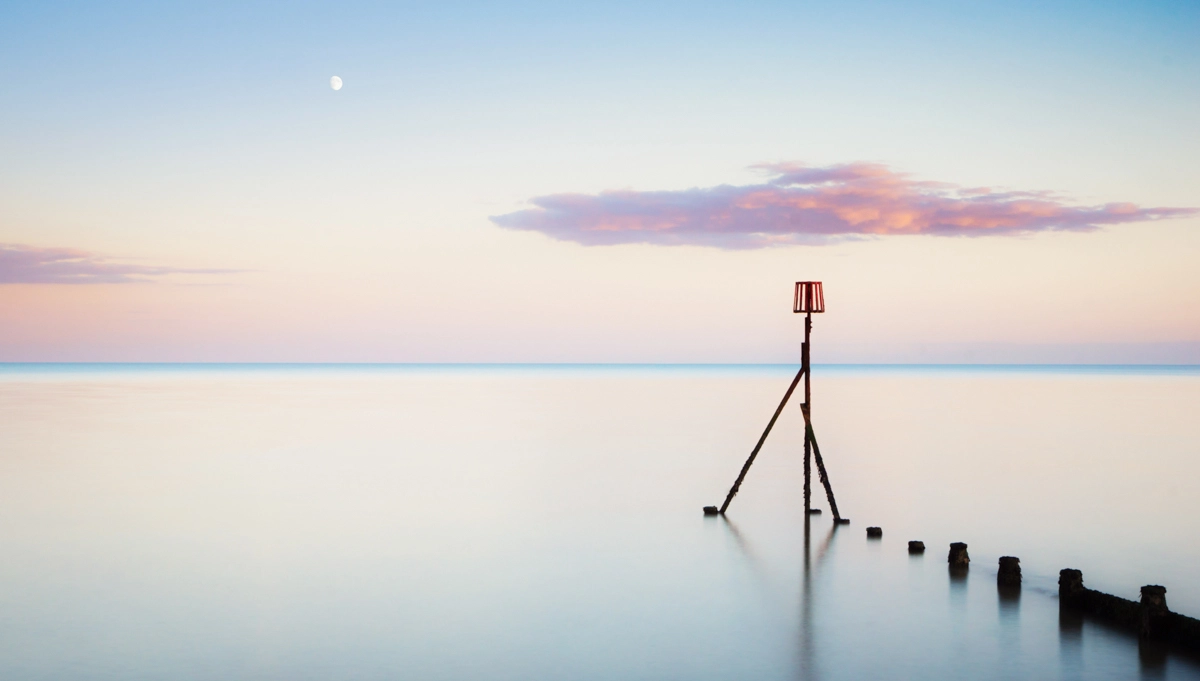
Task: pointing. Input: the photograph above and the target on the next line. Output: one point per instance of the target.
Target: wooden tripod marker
(809, 298)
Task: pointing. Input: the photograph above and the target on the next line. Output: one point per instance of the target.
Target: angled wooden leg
(807, 476)
(742, 476)
(810, 437)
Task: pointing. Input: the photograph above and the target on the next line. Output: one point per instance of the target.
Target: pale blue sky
(206, 136)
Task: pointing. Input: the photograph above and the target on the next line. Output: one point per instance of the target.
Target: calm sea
(544, 522)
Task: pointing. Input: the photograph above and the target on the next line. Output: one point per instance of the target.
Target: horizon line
(595, 364)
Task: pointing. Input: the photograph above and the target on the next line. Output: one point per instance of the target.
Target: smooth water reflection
(532, 523)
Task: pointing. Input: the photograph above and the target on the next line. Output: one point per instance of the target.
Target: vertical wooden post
(804, 355)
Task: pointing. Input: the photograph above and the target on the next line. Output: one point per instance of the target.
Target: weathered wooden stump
(958, 557)
(1070, 584)
(1155, 622)
(1154, 597)
(1010, 571)
(874, 532)
(916, 547)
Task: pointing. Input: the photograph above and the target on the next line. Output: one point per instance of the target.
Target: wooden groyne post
(1009, 572)
(958, 557)
(1150, 618)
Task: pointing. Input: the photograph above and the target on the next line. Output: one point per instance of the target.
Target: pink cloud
(812, 205)
(30, 265)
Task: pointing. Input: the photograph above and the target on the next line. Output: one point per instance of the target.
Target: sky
(604, 182)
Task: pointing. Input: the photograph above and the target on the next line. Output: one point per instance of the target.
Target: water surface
(367, 522)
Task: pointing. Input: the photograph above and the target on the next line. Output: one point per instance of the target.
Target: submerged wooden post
(1010, 571)
(1154, 597)
(958, 557)
(1149, 618)
(1155, 622)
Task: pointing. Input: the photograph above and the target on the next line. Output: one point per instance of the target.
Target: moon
(335, 83)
